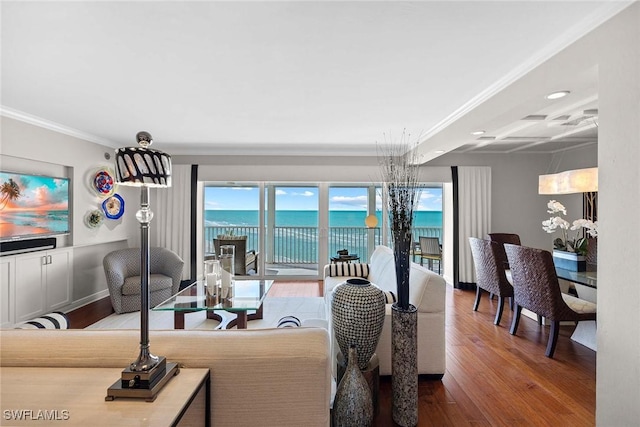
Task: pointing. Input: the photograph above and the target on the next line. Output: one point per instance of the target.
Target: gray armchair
(122, 269)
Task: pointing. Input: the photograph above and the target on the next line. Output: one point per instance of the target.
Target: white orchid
(555, 223)
(555, 207)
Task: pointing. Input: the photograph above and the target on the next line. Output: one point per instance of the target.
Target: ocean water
(295, 238)
(222, 218)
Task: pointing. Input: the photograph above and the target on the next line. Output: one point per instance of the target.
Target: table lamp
(143, 167)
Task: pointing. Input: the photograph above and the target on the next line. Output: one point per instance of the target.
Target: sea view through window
(292, 235)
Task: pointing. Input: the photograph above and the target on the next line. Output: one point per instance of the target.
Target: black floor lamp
(143, 167)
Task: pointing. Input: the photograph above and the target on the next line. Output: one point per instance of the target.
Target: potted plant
(400, 167)
(568, 253)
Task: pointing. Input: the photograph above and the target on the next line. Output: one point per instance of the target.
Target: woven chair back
(535, 283)
(490, 274)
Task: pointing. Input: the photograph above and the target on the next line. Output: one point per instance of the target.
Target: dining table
(586, 285)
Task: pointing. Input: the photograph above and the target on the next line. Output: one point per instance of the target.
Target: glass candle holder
(227, 264)
(212, 276)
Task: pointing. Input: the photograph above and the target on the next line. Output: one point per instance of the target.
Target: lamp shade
(371, 221)
(568, 182)
(138, 166)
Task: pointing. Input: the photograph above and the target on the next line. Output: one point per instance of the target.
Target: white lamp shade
(568, 182)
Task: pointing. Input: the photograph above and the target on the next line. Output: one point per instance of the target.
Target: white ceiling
(296, 78)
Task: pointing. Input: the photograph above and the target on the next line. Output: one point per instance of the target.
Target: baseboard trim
(86, 300)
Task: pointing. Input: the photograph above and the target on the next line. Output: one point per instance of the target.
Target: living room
(35, 144)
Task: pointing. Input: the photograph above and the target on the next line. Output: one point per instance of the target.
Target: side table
(76, 397)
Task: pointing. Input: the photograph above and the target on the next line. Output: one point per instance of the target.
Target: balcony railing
(299, 245)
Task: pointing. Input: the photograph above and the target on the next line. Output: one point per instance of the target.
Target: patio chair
(490, 274)
(536, 288)
(244, 260)
(430, 250)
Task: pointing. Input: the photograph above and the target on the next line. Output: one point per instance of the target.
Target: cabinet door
(30, 291)
(58, 278)
(7, 281)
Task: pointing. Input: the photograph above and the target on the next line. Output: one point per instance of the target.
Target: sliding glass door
(296, 229)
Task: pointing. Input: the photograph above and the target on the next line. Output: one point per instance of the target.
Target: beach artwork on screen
(33, 205)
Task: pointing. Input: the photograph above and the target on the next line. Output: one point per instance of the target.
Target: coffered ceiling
(299, 77)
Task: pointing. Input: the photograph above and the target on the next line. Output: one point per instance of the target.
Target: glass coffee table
(247, 295)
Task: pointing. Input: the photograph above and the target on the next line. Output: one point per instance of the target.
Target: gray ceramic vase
(353, 404)
(357, 314)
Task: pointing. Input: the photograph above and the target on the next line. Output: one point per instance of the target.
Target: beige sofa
(268, 377)
(427, 292)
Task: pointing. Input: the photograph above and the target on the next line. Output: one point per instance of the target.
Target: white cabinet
(42, 282)
(7, 289)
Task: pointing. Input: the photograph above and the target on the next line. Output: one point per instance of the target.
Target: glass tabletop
(587, 278)
(245, 295)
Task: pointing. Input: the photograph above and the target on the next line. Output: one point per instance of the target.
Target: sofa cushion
(355, 269)
(156, 282)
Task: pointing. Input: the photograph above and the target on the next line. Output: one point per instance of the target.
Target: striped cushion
(55, 320)
(288, 322)
(355, 269)
(390, 297)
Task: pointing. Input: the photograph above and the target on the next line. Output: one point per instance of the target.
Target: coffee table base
(226, 321)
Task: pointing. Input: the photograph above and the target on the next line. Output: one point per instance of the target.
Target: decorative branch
(400, 166)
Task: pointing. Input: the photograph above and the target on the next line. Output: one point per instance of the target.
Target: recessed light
(558, 95)
(478, 132)
(439, 151)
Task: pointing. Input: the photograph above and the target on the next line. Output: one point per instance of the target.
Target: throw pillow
(356, 269)
(390, 297)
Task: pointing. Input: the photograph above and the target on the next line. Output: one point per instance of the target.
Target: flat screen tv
(33, 206)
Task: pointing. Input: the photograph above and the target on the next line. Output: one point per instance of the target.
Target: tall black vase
(404, 365)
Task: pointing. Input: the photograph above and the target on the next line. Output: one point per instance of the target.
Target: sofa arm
(427, 290)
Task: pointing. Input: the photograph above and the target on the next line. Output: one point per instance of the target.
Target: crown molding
(53, 126)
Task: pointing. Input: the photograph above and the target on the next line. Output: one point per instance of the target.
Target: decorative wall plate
(104, 183)
(94, 218)
(113, 206)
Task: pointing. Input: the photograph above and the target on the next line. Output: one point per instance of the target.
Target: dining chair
(430, 250)
(503, 238)
(490, 274)
(536, 288)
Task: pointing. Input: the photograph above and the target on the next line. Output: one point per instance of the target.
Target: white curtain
(474, 214)
(173, 216)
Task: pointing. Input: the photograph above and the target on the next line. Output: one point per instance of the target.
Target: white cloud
(349, 199)
(304, 194)
(280, 192)
(243, 188)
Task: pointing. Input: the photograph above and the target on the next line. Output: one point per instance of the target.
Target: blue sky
(304, 198)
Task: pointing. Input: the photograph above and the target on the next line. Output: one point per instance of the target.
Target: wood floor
(496, 379)
(492, 377)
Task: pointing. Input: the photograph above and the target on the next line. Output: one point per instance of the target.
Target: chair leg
(553, 338)
(478, 296)
(516, 320)
(499, 311)
(511, 303)
(539, 320)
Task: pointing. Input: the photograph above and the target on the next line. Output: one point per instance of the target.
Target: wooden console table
(76, 397)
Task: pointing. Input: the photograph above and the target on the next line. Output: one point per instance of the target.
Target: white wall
(618, 363)
(32, 149)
